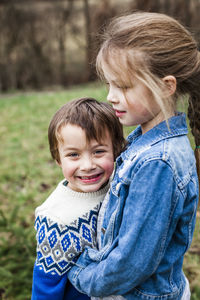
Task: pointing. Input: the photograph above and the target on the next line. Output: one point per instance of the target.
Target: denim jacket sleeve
(142, 238)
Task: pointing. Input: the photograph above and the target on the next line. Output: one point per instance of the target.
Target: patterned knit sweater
(65, 224)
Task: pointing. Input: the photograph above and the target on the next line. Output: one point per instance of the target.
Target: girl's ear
(170, 83)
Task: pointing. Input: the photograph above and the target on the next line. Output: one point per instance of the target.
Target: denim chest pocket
(114, 208)
(112, 220)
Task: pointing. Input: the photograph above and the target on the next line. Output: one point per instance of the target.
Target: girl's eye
(122, 87)
(107, 85)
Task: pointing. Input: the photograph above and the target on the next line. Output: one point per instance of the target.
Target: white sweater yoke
(65, 224)
(65, 205)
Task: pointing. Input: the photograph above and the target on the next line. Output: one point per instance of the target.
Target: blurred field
(28, 175)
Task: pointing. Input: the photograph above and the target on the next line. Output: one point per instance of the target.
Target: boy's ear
(170, 83)
(58, 163)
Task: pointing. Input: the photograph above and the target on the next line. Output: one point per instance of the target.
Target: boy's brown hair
(93, 117)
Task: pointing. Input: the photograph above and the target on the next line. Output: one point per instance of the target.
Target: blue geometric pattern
(58, 245)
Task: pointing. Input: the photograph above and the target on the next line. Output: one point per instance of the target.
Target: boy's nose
(87, 163)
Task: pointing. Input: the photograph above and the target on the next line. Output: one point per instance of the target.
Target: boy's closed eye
(100, 151)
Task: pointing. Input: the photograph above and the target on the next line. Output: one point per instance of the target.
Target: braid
(197, 155)
(194, 118)
(194, 111)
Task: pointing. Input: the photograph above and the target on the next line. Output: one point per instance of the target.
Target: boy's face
(86, 166)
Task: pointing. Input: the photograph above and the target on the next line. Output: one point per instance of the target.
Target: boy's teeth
(88, 177)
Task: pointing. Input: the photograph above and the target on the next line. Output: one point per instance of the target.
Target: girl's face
(134, 104)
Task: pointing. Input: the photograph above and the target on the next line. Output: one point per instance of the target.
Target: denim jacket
(149, 220)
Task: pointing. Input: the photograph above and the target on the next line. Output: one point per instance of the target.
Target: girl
(147, 220)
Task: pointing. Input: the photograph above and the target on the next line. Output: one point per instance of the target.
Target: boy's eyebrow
(93, 147)
(70, 148)
(100, 145)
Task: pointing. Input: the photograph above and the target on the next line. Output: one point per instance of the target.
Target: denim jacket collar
(176, 126)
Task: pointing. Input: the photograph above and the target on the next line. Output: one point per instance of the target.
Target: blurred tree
(146, 5)
(48, 42)
(65, 15)
(95, 25)
(89, 44)
(186, 11)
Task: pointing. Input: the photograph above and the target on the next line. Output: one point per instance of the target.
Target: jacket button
(103, 230)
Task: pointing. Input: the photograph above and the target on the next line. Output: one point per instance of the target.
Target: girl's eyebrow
(113, 81)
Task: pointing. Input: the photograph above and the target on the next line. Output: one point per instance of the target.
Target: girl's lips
(119, 113)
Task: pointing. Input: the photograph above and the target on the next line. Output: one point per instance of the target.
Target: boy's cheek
(109, 167)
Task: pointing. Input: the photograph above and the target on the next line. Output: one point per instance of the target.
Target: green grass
(28, 175)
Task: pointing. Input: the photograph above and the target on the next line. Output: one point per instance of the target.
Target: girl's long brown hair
(152, 46)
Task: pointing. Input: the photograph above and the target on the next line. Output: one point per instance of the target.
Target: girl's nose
(111, 97)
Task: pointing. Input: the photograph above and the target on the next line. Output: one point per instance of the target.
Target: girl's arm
(143, 236)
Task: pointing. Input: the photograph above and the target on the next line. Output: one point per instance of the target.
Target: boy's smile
(90, 179)
(87, 165)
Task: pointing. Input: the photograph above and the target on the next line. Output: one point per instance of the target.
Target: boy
(85, 137)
